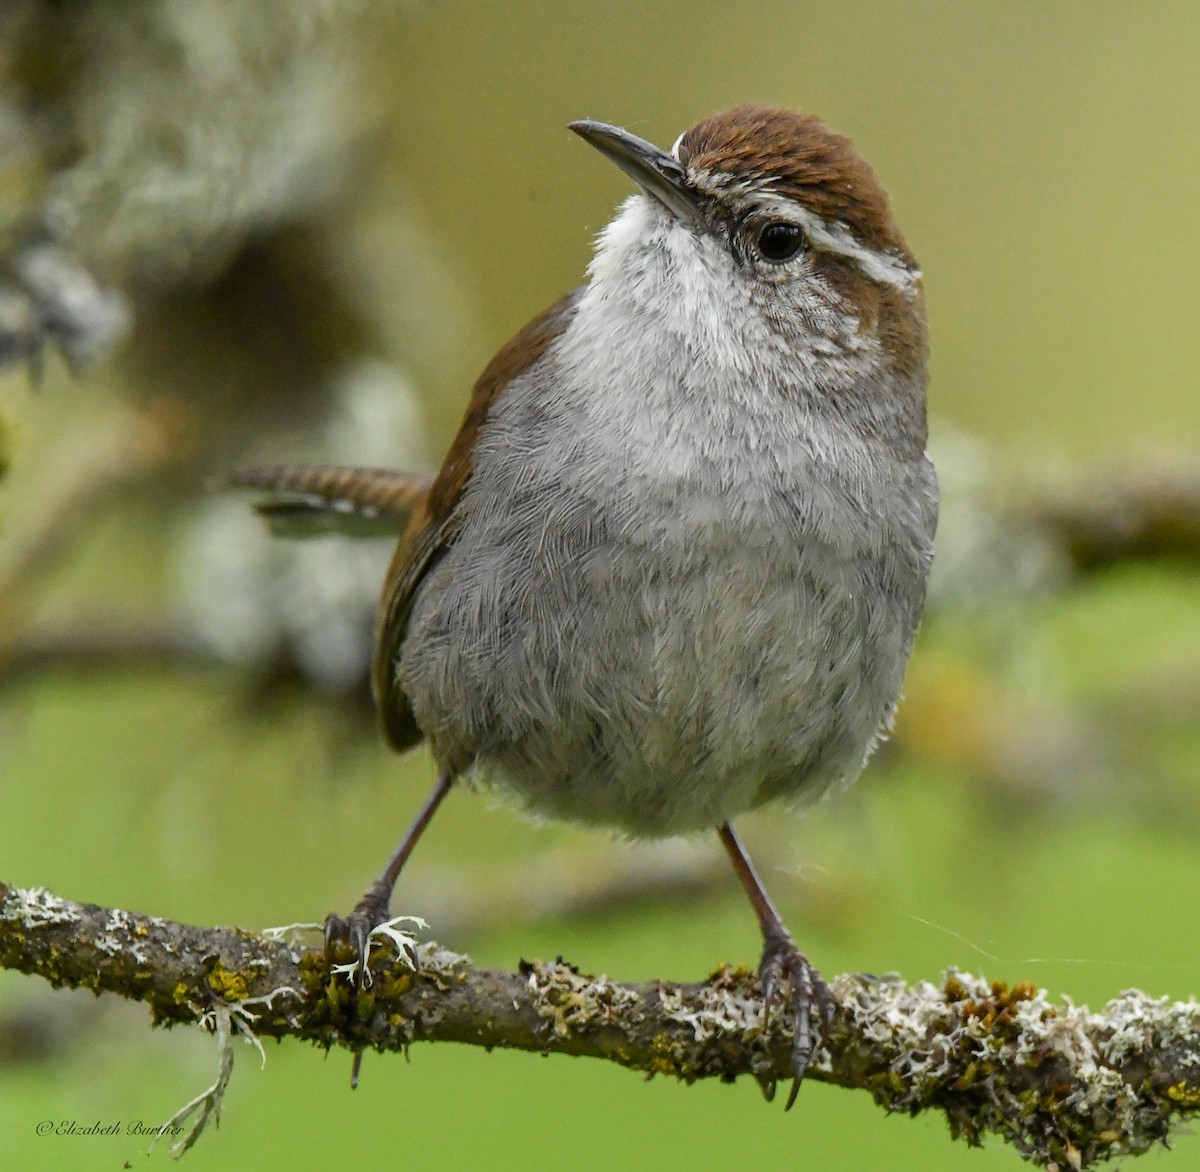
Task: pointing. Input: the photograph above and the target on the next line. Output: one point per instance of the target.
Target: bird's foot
(371, 919)
(785, 970)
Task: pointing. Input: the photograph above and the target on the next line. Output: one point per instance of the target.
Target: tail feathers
(316, 500)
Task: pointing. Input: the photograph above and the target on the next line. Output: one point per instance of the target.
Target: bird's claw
(370, 919)
(784, 970)
(354, 930)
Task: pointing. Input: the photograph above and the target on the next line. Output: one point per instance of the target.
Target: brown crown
(799, 157)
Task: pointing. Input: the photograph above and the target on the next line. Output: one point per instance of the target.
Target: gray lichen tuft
(1066, 1087)
(35, 907)
(571, 1001)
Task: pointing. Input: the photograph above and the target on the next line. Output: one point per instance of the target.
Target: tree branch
(1066, 1087)
(1140, 513)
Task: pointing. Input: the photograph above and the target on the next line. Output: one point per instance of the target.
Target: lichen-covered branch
(1066, 1087)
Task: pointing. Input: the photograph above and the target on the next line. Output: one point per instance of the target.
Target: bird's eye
(780, 241)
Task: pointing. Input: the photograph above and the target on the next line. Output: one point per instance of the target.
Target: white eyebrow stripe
(878, 266)
(838, 239)
(835, 237)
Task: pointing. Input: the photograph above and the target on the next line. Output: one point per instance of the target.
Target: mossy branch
(1066, 1087)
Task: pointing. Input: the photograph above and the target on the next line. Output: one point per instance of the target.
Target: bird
(674, 562)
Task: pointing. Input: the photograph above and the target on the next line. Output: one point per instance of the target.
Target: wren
(673, 565)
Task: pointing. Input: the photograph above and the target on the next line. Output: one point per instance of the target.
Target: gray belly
(657, 666)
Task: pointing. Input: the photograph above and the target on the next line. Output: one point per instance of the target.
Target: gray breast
(658, 623)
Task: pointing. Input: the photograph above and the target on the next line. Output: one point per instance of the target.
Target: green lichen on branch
(1066, 1087)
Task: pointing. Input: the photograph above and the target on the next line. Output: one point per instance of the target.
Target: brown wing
(431, 530)
(312, 500)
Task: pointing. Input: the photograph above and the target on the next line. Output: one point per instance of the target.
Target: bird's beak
(653, 170)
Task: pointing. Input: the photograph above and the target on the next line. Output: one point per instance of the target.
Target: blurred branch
(1139, 514)
(102, 646)
(1066, 1087)
(95, 461)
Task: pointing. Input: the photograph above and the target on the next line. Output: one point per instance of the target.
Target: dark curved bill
(655, 172)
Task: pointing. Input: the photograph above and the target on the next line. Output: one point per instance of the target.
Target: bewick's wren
(672, 566)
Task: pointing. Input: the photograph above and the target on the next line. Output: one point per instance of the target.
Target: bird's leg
(374, 907)
(783, 968)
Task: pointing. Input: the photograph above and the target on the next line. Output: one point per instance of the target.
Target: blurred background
(233, 233)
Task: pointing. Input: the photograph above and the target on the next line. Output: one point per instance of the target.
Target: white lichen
(207, 1104)
(571, 1000)
(35, 907)
(114, 937)
(405, 943)
(724, 1013)
(968, 1035)
(291, 934)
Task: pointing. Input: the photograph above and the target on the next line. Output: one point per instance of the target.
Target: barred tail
(319, 499)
